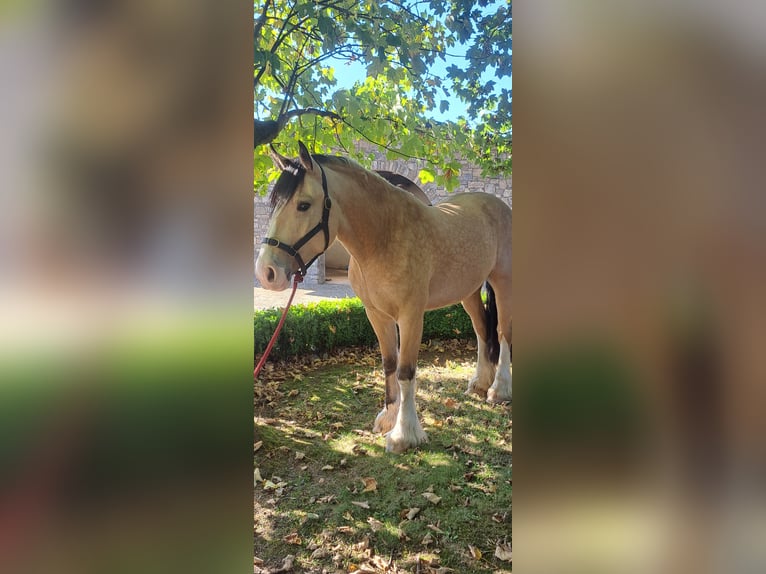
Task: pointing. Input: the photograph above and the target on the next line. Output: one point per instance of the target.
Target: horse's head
(300, 228)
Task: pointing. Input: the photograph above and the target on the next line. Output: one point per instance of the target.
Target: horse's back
(477, 209)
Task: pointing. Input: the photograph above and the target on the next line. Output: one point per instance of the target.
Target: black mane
(287, 183)
(292, 176)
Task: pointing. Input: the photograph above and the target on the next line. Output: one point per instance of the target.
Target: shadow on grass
(316, 447)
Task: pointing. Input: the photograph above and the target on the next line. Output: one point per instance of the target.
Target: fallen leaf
(347, 516)
(375, 525)
(328, 467)
(257, 561)
(431, 497)
(257, 446)
(294, 392)
(370, 484)
(499, 518)
(345, 529)
(450, 403)
(300, 455)
(412, 513)
(427, 539)
(475, 552)
(363, 504)
(309, 516)
(257, 475)
(292, 538)
(287, 565)
(436, 529)
(503, 552)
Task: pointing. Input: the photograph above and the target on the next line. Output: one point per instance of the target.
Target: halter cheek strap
(323, 225)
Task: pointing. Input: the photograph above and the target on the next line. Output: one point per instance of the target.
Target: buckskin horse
(408, 257)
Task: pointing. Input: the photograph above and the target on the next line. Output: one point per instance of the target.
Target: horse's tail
(490, 314)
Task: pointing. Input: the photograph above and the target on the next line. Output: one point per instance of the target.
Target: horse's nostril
(271, 275)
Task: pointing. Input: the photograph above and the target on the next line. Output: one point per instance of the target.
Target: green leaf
(426, 176)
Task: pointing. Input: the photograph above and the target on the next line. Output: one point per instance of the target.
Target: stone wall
(470, 180)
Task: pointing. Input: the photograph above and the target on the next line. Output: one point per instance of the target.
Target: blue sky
(347, 73)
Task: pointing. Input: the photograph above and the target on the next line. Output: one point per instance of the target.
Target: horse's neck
(371, 215)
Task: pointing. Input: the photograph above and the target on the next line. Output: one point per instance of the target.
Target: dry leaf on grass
(292, 538)
(363, 504)
(504, 552)
(257, 475)
(257, 446)
(375, 525)
(370, 484)
(287, 565)
(328, 467)
(299, 455)
(450, 403)
(431, 497)
(475, 552)
(411, 513)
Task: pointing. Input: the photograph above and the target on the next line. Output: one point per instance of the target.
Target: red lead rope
(259, 366)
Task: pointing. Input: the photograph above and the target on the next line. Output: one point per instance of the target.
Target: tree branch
(266, 131)
(315, 111)
(261, 20)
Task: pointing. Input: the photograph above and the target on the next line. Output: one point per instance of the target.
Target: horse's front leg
(385, 329)
(407, 431)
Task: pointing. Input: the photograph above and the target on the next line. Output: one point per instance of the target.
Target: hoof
(477, 387)
(397, 442)
(385, 420)
(497, 398)
(501, 389)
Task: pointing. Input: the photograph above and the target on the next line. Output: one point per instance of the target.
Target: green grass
(325, 412)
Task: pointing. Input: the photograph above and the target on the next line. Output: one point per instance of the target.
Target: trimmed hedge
(321, 327)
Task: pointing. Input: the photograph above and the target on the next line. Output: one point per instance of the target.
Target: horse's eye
(303, 206)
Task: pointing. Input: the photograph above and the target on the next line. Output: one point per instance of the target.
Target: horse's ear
(305, 157)
(280, 161)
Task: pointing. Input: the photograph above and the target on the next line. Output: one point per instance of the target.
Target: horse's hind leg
(501, 389)
(407, 431)
(485, 370)
(385, 329)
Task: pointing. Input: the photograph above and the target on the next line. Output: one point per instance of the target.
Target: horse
(408, 257)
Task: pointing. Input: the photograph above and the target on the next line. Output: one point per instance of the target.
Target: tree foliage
(416, 55)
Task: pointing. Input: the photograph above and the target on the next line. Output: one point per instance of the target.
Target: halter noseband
(323, 225)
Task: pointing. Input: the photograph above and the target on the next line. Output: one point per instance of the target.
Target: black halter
(323, 225)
